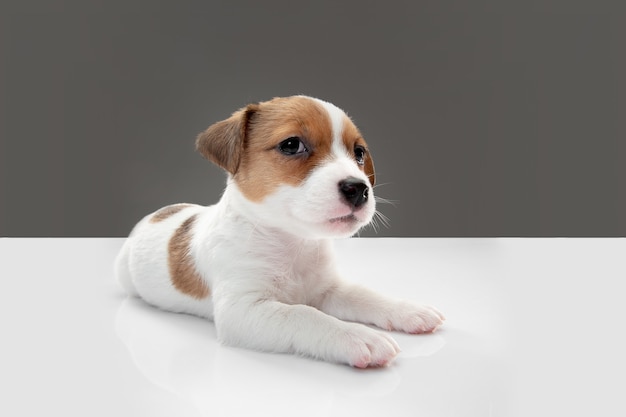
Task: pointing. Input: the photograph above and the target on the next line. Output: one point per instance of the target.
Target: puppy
(259, 263)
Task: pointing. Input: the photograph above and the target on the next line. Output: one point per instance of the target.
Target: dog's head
(298, 164)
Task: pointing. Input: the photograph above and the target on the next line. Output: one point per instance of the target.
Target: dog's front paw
(414, 318)
(362, 347)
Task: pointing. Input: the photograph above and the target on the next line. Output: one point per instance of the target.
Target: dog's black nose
(354, 191)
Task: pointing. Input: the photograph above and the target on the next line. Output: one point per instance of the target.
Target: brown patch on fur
(262, 167)
(167, 211)
(182, 270)
(352, 137)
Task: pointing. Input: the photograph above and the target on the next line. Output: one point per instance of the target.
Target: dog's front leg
(278, 327)
(356, 303)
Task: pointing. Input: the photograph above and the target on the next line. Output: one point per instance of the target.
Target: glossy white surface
(535, 328)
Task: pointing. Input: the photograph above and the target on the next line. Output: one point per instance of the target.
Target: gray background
(485, 118)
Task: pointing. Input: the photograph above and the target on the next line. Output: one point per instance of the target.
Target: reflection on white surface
(179, 353)
(534, 327)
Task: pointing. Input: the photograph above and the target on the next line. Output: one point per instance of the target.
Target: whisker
(381, 184)
(386, 200)
(374, 224)
(379, 220)
(382, 218)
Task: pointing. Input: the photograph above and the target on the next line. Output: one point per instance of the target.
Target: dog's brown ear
(369, 168)
(222, 143)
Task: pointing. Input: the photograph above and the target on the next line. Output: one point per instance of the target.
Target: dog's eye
(292, 146)
(359, 154)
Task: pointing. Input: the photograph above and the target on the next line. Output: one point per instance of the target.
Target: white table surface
(535, 328)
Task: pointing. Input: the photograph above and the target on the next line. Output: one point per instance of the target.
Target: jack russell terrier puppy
(259, 263)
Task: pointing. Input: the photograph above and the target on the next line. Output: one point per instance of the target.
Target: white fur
(273, 281)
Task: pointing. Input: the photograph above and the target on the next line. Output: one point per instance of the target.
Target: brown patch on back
(182, 269)
(262, 168)
(167, 211)
(352, 137)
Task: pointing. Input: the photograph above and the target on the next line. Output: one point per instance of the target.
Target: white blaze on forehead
(337, 118)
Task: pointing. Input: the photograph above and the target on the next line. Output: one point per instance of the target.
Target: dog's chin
(341, 226)
(328, 228)
(338, 222)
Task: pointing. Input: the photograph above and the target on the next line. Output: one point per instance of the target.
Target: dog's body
(259, 262)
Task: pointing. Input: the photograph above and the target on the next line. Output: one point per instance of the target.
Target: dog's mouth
(349, 218)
